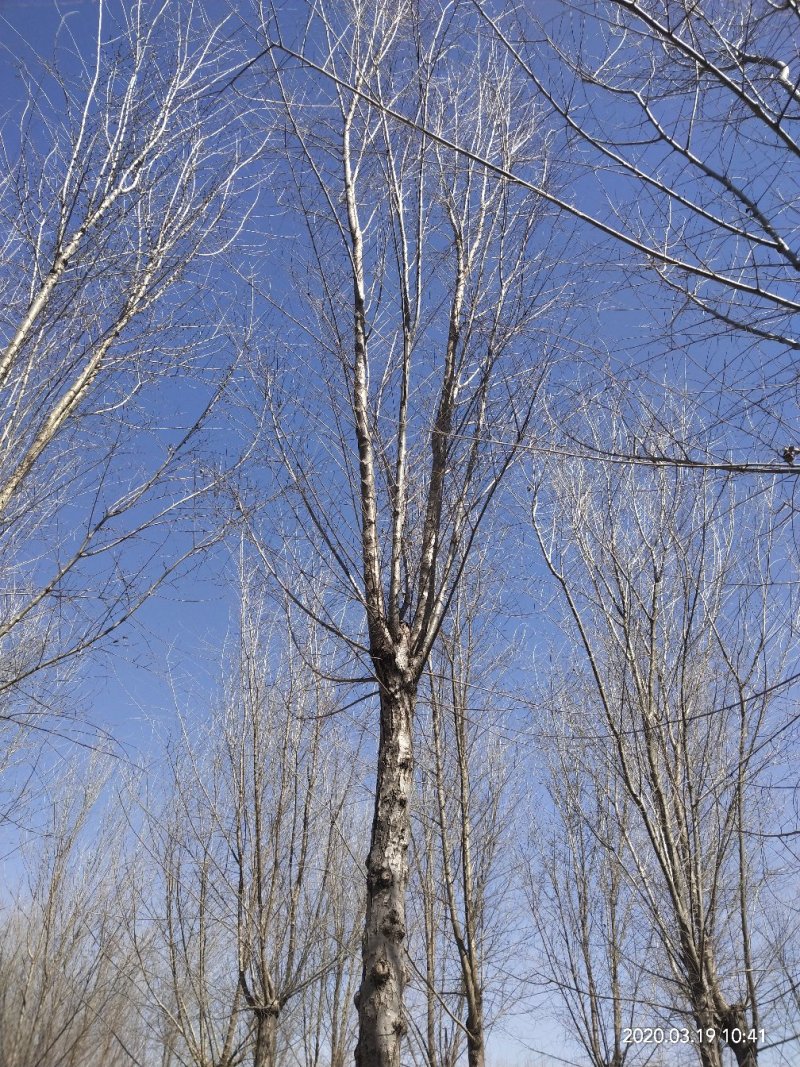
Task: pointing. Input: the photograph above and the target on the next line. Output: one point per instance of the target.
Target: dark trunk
(380, 997)
(736, 1024)
(745, 1052)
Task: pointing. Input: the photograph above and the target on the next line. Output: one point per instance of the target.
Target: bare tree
(671, 584)
(183, 923)
(680, 123)
(246, 918)
(596, 948)
(65, 997)
(676, 126)
(326, 1022)
(410, 354)
(292, 787)
(118, 185)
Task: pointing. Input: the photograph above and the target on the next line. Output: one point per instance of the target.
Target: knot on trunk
(381, 972)
(399, 1026)
(268, 1011)
(379, 877)
(392, 926)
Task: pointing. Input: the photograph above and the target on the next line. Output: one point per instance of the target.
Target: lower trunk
(709, 1048)
(475, 1055)
(381, 1024)
(430, 971)
(745, 1052)
(266, 1038)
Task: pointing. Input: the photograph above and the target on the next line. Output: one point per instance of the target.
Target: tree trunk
(710, 1051)
(266, 1037)
(475, 1056)
(380, 997)
(709, 1055)
(745, 1051)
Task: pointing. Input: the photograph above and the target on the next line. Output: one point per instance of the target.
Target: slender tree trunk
(380, 998)
(430, 969)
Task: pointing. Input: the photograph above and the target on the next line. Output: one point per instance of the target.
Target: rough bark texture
(710, 1052)
(380, 998)
(745, 1051)
(475, 1040)
(266, 1037)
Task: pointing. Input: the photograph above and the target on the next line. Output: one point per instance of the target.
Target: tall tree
(408, 378)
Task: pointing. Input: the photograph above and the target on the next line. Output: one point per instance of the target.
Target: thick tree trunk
(710, 1054)
(745, 1051)
(710, 1051)
(475, 1051)
(380, 997)
(266, 1038)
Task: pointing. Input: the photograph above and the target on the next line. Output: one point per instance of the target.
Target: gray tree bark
(475, 1038)
(266, 1037)
(380, 998)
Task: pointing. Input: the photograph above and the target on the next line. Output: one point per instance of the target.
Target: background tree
(119, 191)
(678, 123)
(595, 947)
(463, 843)
(671, 584)
(248, 914)
(65, 973)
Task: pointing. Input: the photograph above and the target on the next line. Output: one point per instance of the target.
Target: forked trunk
(380, 997)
